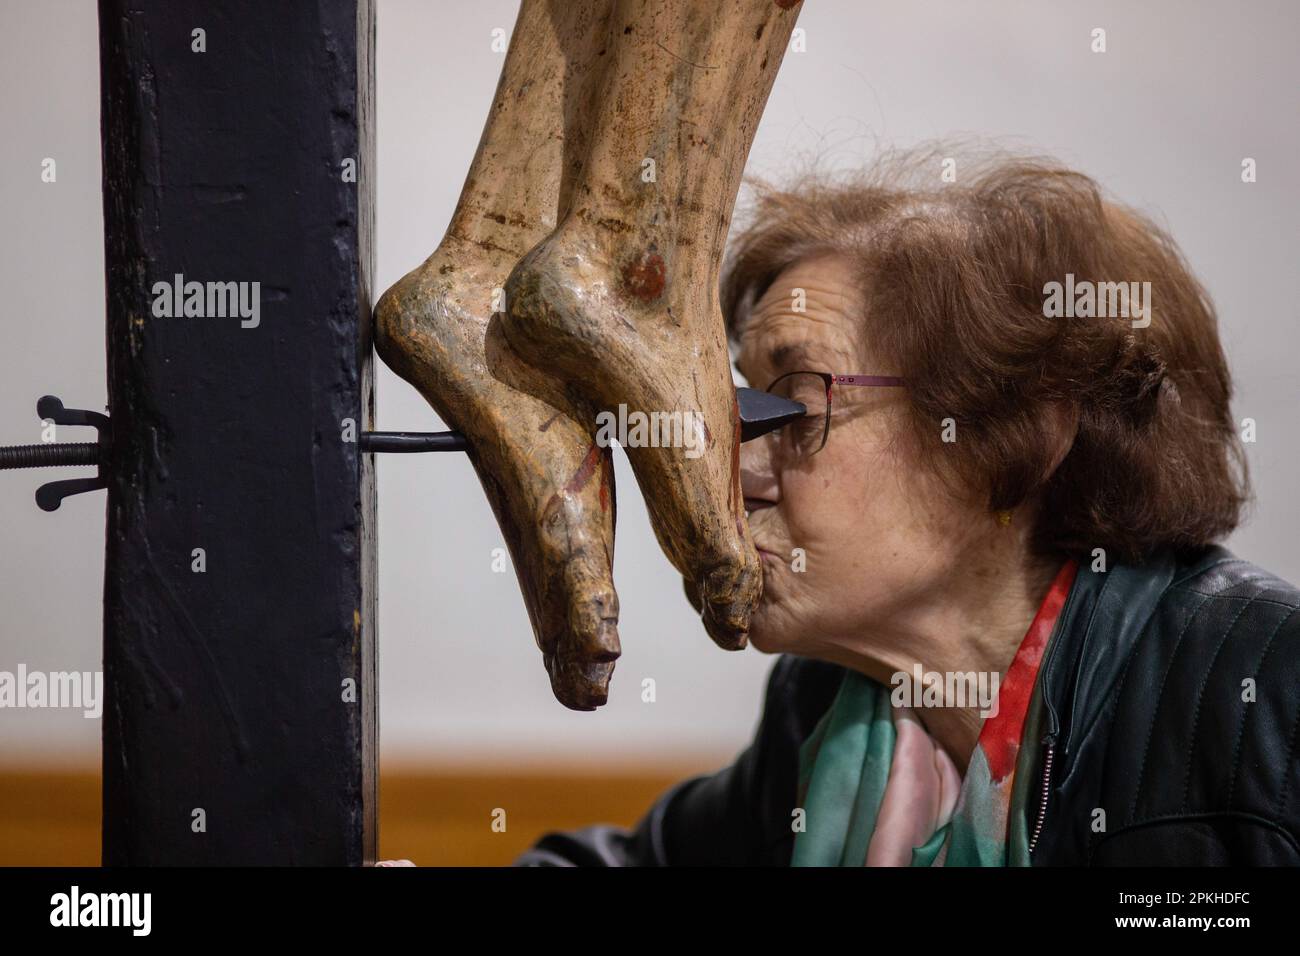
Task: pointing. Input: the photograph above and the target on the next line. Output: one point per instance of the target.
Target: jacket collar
(1104, 616)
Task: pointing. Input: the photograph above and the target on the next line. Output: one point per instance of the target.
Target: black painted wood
(226, 687)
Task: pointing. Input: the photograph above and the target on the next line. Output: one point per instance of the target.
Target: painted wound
(643, 277)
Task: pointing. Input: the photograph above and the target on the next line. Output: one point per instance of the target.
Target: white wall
(1163, 118)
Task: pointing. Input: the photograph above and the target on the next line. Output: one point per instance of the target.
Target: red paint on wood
(643, 277)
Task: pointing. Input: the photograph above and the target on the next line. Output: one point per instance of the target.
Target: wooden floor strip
(430, 816)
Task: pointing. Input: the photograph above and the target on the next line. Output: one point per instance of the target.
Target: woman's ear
(1063, 424)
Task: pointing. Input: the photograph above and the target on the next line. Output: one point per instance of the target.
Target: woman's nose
(757, 477)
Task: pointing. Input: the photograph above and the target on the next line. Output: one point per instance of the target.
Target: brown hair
(953, 277)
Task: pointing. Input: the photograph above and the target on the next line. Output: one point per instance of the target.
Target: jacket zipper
(1048, 756)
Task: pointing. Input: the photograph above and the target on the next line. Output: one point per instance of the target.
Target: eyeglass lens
(804, 436)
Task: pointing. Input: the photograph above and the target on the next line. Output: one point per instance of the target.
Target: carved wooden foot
(621, 299)
(550, 486)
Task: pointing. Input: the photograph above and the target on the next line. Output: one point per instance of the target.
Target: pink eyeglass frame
(832, 378)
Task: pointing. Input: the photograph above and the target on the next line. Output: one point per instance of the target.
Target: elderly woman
(1006, 634)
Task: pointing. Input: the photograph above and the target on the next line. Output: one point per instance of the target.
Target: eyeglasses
(806, 436)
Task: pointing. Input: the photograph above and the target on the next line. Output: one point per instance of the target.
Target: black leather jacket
(1171, 724)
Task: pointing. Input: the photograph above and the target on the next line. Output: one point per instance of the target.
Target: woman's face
(854, 537)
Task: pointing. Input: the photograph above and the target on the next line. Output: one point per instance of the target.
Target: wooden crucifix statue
(578, 276)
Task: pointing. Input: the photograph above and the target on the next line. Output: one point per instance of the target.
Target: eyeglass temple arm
(882, 381)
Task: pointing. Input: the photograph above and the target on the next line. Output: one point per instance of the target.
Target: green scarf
(844, 766)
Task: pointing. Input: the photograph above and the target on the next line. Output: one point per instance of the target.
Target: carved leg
(549, 485)
(621, 299)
